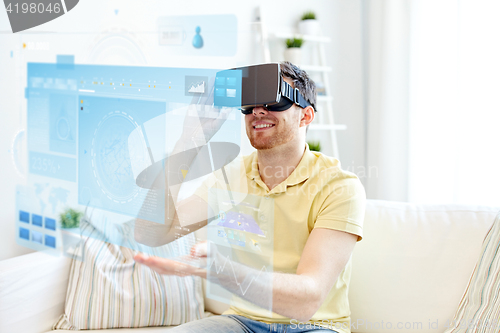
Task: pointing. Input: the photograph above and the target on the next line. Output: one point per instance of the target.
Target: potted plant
(292, 52)
(70, 218)
(314, 145)
(70, 227)
(309, 25)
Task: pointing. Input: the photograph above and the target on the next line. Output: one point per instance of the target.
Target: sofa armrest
(32, 292)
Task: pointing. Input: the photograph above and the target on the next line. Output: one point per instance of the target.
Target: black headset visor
(262, 86)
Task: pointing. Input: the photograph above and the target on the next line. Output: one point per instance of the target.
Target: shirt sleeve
(344, 207)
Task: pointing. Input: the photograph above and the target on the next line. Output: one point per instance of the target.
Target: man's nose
(259, 110)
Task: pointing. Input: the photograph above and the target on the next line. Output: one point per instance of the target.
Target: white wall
(346, 57)
(340, 20)
(10, 111)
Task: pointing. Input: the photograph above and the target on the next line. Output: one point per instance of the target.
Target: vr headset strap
(293, 95)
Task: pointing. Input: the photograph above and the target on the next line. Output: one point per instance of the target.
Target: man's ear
(307, 116)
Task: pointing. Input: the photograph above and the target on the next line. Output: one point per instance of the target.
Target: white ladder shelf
(326, 118)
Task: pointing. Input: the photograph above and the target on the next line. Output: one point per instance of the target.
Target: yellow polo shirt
(318, 194)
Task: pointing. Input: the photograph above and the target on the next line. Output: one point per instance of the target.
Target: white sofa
(409, 271)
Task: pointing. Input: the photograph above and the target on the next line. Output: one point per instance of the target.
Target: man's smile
(262, 126)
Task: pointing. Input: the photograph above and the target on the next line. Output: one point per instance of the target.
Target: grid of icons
(228, 88)
(33, 228)
(225, 86)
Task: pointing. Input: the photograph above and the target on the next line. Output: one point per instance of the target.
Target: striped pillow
(479, 309)
(109, 290)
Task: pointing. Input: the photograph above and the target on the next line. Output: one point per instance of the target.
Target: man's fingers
(167, 266)
(224, 115)
(195, 99)
(159, 264)
(148, 261)
(199, 250)
(140, 257)
(208, 98)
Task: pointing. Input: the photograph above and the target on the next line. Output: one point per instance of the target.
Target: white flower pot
(309, 27)
(293, 55)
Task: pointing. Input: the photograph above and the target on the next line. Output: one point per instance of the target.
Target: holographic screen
(240, 254)
(144, 156)
(121, 146)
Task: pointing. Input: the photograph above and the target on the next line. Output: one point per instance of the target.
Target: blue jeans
(240, 324)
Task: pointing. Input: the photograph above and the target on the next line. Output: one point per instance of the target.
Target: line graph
(220, 270)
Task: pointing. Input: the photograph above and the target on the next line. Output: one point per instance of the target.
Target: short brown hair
(301, 81)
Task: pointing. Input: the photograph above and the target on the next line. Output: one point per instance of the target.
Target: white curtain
(387, 68)
(432, 100)
(454, 137)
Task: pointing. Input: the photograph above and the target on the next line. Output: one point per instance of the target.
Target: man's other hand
(192, 264)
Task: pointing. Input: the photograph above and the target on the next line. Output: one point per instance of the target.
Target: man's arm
(325, 255)
(190, 214)
(300, 295)
(296, 296)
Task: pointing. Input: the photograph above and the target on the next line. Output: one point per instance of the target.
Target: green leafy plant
(308, 16)
(314, 145)
(70, 218)
(294, 42)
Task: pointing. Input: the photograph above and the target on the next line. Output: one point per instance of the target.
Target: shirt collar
(301, 173)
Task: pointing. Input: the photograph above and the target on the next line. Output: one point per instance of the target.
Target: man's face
(268, 129)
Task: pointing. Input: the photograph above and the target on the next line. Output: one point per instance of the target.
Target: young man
(318, 215)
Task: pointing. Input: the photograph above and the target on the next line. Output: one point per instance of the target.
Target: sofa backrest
(413, 264)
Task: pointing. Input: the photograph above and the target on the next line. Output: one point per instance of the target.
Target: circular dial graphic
(110, 157)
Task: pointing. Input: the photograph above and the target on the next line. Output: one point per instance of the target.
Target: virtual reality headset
(261, 85)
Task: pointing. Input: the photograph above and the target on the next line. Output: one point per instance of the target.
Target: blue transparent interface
(99, 138)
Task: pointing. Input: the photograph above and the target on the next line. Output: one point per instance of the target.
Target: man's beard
(283, 134)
